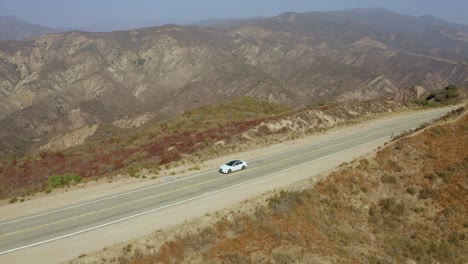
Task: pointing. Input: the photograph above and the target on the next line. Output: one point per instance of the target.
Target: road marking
(192, 185)
(419, 115)
(184, 201)
(110, 208)
(106, 198)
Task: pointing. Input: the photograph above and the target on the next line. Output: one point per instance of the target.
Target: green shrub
(451, 87)
(451, 94)
(56, 181)
(451, 91)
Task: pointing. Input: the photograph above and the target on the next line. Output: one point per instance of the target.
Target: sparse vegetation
(334, 222)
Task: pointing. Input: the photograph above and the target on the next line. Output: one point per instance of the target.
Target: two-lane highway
(34, 230)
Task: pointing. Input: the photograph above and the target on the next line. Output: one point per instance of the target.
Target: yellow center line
(184, 188)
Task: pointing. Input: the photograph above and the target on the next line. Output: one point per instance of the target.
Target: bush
(451, 88)
(451, 94)
(428, 193)
(451, 91)
(56, 181)
(411, 190)
(388, 179)
(392, 207)
(444, 175)
(139, 61)
(285, 202)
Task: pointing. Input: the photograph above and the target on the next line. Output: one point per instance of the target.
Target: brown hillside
(61, 82)
(408, 204)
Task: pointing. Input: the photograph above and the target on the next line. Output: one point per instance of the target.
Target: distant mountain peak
(6, 20)
(373, 10)
(431, 19)
(15, 28)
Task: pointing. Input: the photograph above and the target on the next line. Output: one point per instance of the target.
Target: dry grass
(409, 203)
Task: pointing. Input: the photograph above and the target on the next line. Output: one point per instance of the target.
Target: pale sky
(79, 13)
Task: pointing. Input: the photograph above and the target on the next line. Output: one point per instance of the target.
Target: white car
(233, 165)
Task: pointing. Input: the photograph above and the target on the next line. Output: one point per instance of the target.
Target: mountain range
(64, 81)
(13, 28)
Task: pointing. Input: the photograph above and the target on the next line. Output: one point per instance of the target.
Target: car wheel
(243, 167)
(229, 171)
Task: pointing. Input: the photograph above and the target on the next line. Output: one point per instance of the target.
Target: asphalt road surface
(17, 235)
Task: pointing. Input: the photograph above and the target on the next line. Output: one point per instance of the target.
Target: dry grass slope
(408, 204)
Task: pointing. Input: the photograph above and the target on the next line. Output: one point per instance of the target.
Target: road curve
(21, 234)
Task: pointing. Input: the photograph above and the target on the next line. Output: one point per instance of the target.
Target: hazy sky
(78, 13)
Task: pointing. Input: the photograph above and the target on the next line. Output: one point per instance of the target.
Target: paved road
(27, 232)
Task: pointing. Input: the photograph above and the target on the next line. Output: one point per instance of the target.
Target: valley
(353, 125)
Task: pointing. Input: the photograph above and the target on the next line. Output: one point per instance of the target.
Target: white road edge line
(425, 114)
(187, 200)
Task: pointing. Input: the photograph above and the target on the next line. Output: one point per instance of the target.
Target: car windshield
(231, 163)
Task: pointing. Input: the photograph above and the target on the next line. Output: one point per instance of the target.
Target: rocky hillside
(406, 204)
(62, 82)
